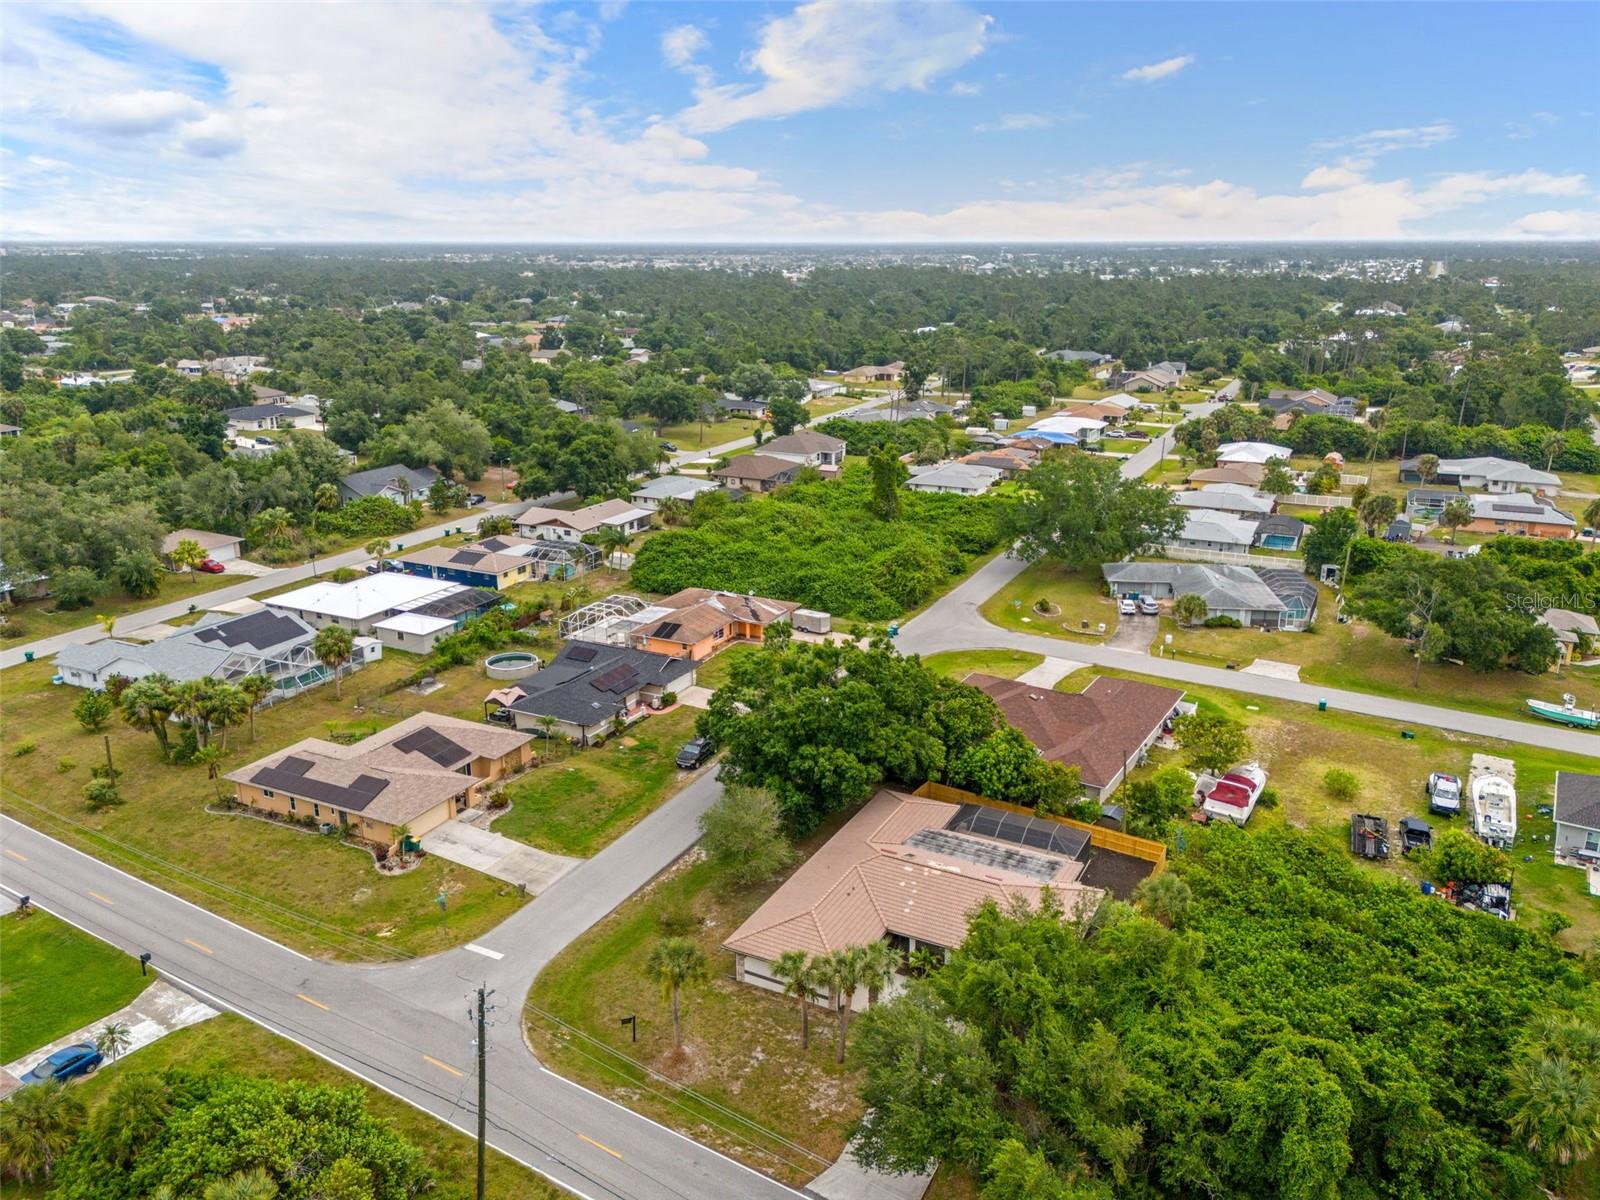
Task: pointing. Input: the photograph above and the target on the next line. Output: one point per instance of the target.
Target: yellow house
(703, 622)
(417, 774)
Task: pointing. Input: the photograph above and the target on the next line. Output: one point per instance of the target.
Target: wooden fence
(1106, 839)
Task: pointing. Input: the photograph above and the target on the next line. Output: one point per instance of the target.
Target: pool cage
(607, 621)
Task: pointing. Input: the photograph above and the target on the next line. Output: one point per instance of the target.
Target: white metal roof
(417, 623)
(362, 598)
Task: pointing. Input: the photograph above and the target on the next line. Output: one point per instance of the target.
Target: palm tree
(1377, 510)
(1428, 467)
(325, 499)
(113, 1039)
(497, 526)
(613, 538)
(377, 547)
(147, 703)
(188, 553)
(675, 963)
(402, 835)
(190, 701)
(879, 962)
(227, 704)
(924, 961)
(798, 973)
(1456, 514)
(1591, 518)
(842, 972)
(1552, 444)
(1165, 898)
(333, 646)
(211, 757)
(256, 688)
(1555, 1110)
(37, 1126)
(254, 1184)
(108, 622)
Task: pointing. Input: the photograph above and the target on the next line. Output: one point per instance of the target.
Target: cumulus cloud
(1158, 70)
(828, 51)
(136, 112)
(1386, 141)
(682, 44)
(1558, 224)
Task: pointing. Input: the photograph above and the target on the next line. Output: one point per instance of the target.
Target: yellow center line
(442, 1066)
(15, 855)
(309, 1000)
(198, 946)
(103, 899)
(598, 1145)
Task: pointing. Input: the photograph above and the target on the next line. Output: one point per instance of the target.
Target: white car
(1148, 607)
(1128, 607)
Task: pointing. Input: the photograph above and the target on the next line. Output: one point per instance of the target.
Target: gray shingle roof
(373, 480)
(587, 684)
(1578, 799)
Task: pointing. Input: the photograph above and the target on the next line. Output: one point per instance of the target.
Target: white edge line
(483, 950)
(761, 1175)
(147, 884)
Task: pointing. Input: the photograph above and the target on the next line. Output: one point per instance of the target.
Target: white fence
(1353, 480)
(1308, 501)
(1232, 558)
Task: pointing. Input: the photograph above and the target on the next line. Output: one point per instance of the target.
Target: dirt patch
(1119, 874)
(688, 1064)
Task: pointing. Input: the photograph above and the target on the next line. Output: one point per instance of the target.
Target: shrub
(23, 749)
(100, 794)
(668, 699)
(1342, 785)
(677, 921)
(93, 710)
(1222, 622)
(64, 764)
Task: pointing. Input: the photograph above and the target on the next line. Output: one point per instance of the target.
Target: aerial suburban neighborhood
(643, 601)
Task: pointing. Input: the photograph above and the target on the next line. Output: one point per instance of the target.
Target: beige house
(909, 870)
(417, 774)
(219, 547)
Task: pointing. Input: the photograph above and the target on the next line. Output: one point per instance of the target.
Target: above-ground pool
(513, 664)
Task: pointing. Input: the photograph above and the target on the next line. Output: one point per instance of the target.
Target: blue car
(66, 1064)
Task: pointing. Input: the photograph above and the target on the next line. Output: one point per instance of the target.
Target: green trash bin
(27, 656)
(1322, 706)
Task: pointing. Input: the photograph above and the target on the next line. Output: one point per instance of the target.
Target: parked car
(1128, 607)
(66, 1064)
(501, 716)
(672, 446)
(210, 566)
(694, 753)
(1148, 607)
(475, 498)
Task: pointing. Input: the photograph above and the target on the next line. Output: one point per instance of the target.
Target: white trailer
(1492, 785)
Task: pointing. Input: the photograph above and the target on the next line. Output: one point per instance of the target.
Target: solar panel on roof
(582, 653)
(668, 629)
(297, 766)
(433, 745)
(467, 558)
(985, 854)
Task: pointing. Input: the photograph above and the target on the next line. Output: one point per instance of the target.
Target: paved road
(404, 1028)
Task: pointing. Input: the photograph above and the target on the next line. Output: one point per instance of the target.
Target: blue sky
(821, 121)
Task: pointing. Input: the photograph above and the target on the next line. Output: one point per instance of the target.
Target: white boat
(1494, 800)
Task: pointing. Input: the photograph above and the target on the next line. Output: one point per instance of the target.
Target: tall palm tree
(334, 646)
(256, 688)
(147, 703)
(1456, 514)
(879, 962)
(842, 972)
(377, 547)
(798, 973)
(675, 963)
(1555, 1110)
(188, 553)
(113, 1039)
(227, 705)
(324, 499)
(254, 1184)
(1552, 444)
(37, 1126)
(190, 701)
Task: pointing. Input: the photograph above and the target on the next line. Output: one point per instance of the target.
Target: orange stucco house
(703, 621)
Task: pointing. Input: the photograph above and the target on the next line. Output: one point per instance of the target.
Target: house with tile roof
(699, 622)
(909, 870)
(418, 774)
(564, 525)
(757, 472)
(1577, 815)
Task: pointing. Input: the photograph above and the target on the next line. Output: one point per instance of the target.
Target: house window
(291, 804)
(316, 810)
(268, 793)
(1591, 840)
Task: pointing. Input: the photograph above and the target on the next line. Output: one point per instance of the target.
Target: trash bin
(894, 631)
(1407, 736)
(27, 656)
(1322, 706)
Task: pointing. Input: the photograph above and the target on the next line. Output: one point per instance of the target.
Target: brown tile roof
(207, 539)
(1096, 730)
(700, 612)
(1098, 412)
(866, 881)
(409, 768)
(1250, 474)
(758, 467)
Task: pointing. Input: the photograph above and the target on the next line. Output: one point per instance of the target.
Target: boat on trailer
(1566, 713)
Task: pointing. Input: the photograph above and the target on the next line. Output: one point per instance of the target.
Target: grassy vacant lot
(692, 435)
(1074, 596)
(1007, 664)
(1298, 745)
(743, 1044)
(581, 800)
(40, 618)
(54, 979)
(302, 889)
(230, 1043)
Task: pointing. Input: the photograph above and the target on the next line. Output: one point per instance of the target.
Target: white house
(255, 418)
(808, 448)
(1207, 529)
(1085, 429)
(652, 494)
(1257, 453)
(1228, 498)
(964, 479)
(363, 603)
(561, 525)
(219, 547)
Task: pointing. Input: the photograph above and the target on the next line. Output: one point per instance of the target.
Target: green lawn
(743, 1043)
(581, 800)
(54, 979)
(40, 618)
(230, 1043)
(692, 435)
(1298, 745)
(302, 889)
(1007, 664)
(1073, 596)
(1122, 445)
(714, 672)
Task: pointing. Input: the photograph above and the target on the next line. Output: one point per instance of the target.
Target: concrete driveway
(1134, 634)
(497, 855)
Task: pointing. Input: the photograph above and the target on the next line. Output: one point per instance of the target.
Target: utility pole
(483, 1081)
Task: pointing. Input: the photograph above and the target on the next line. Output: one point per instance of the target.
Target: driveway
(497, 855)
(1134, 634)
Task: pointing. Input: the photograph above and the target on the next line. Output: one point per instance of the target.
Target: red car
(210, 566)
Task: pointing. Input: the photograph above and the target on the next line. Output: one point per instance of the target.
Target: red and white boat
(1233, 796)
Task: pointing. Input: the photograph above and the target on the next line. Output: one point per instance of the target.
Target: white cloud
(136, 112)
(966, 90)
(1021, 122)
(682, 44)
(1158, 70)
(1321, 179)
(213, 136)
(828, 51)
(1385, 141)
(1560, 224)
